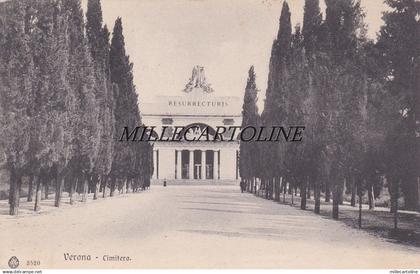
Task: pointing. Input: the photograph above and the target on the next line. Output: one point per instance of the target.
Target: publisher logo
(13, 262)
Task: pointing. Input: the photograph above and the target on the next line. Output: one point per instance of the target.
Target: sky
(167, 38)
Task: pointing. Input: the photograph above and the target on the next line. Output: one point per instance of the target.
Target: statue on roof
(198, 80)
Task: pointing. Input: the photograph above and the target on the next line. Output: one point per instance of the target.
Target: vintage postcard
(210, 134)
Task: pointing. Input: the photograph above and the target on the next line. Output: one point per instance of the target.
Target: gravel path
(188, 227)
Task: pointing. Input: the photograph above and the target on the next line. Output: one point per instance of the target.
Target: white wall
(166, 163)
(228, 164)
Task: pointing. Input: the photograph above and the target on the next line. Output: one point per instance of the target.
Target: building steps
(195, 182)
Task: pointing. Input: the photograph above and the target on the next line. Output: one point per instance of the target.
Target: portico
(198, 106)
(197, 164)
(196, 161)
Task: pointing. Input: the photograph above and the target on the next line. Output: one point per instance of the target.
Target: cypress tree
(274, 106)
(118, 59)
(312, 20)
(118, 70)
(57, 101)
(98, 38)
(250, 117)
(94, 28)
(343, 27)
(279, 51)
(16, 72)
(399, 49)
(284, 35)
(126, 108)
(49, 127)
(81, 79)
(342, 37)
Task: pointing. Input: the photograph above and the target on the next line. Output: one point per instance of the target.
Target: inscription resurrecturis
(203, 103)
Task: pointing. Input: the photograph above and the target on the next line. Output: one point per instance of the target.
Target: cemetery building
(200, 106)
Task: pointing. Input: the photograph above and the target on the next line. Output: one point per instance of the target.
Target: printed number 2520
(33, 263)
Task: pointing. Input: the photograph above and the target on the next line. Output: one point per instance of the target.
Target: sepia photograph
(221, 135)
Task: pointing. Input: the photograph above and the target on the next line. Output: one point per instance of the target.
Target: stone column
(179, 164)
(191, 165)
(215, 165)
(154, 164)
(157, 163)
(203, 165)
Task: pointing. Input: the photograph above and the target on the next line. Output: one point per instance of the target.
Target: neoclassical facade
(197, 105)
